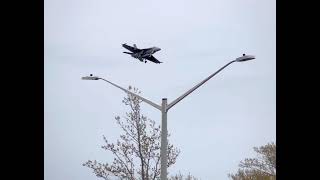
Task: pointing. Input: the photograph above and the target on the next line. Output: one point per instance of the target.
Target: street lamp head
(245, 57)
(90, 77)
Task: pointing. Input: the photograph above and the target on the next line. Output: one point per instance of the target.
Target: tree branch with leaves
(261, 167)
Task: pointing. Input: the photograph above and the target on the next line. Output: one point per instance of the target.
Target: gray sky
(215, 127)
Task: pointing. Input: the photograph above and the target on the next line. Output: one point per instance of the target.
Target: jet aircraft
(142, 54)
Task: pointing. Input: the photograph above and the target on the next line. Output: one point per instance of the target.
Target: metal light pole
(165, 107)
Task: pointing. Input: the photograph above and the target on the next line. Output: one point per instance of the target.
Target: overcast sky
(215, 127)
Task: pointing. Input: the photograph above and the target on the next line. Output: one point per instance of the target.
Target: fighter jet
(142, 54)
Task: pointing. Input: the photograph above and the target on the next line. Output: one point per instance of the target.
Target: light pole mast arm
(197, 86)
(143, 99)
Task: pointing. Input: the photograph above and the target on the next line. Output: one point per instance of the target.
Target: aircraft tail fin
(135, 46)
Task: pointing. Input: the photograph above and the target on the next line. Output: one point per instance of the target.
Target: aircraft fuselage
(142, 54)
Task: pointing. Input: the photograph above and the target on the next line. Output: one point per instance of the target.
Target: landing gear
(145, 61)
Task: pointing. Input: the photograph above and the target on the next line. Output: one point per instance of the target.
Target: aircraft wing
(130, 48)
(153, 59)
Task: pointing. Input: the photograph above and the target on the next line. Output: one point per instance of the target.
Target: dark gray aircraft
(142, 54)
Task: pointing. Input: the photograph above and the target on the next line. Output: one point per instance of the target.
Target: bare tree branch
(137, 151)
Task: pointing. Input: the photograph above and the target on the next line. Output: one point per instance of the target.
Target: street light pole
(164, 108)
(164, 141)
